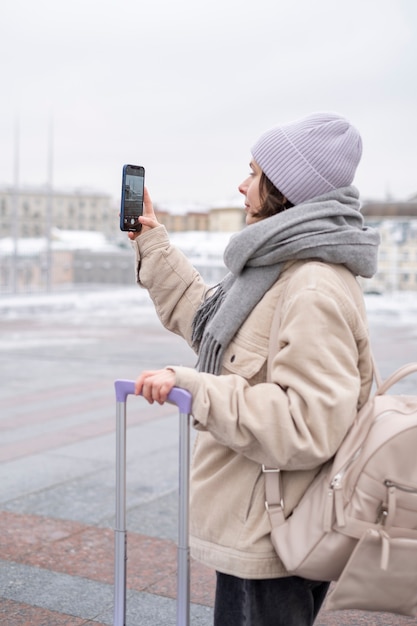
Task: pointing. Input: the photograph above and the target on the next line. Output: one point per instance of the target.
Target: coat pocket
(242, 361)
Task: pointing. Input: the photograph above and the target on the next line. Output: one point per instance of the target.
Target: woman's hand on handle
(155, 385)
(148, 219)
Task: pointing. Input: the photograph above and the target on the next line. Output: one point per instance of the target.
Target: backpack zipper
(406, 488)
(336, 481)
(382, 514)
(335, 494)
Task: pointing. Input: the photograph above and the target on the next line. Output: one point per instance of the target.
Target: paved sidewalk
(57, 469)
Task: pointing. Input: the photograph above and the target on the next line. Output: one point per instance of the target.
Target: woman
(298, 257)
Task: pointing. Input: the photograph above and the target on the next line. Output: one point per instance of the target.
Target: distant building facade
(396, 223)
(40, 269)
(226, 219)
(29, 212)
(26, 269)
(182, 222)
(223, 219)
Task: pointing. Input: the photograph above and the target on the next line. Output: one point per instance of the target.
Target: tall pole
(48, 226)
(14, 218)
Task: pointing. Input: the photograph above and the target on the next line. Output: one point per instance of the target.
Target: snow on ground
(77, 305)
(101, 301)
(399, 308)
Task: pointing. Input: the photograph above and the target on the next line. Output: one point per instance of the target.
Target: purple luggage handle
(183, 400)
(181, 397)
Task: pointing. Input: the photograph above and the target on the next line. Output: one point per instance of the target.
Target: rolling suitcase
(182, 399)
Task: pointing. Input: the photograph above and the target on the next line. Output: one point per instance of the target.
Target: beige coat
(320, 375)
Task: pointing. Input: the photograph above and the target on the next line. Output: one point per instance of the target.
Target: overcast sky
(185, 88)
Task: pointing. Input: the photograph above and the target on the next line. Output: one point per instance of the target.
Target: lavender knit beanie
(309, 157)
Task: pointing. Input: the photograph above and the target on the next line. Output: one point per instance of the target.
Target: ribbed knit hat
(311, 156)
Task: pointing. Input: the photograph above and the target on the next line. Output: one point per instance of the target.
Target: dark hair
(272, 200)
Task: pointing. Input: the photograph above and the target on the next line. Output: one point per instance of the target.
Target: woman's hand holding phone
(148, 219)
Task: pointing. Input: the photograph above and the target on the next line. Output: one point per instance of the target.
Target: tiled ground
(18, 614)
(86, 552)
(57, 477)
(79, 550)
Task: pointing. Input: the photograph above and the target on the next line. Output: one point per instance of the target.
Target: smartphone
(131, 206)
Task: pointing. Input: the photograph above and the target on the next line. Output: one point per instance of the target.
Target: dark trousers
(290, 601)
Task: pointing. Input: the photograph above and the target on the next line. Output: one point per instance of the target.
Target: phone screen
(133, 182)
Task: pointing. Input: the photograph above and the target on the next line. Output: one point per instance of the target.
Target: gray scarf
(329, 228)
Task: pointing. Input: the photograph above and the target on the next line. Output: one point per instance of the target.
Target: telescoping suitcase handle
(183, 400)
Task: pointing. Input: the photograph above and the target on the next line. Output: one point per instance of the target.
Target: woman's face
(250, 189)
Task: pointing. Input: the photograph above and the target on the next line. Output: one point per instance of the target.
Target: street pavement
(59, 357)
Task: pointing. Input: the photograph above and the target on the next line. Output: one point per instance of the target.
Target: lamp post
(14, 218)
(49, 203)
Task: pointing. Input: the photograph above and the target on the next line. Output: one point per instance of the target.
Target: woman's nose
(243, 187)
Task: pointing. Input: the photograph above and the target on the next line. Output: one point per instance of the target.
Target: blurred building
(64, 239)
(182, 222)
(397, 261)
(65, 259)
(29, 212)
(226, 219)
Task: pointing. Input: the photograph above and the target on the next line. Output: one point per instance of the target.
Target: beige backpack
(357, 522)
